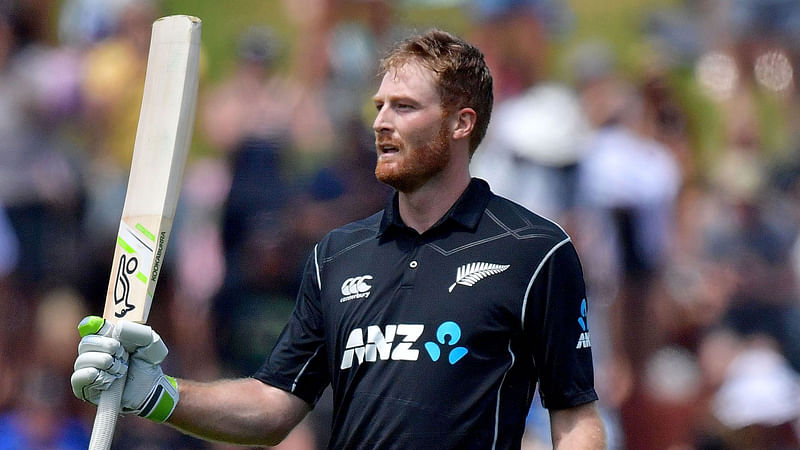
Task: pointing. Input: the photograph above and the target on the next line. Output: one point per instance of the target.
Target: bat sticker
(122, 286)
(135, 261)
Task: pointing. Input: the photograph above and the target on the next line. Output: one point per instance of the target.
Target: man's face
(411, 135)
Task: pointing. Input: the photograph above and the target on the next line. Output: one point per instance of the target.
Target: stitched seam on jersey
(514, 232)
(509, 232)
(466, 246)
(348, 248)
(533, 278)
(516, 207)
(444, 252)
(300, 374)
(316, 265)
(554, 223)
(529, 226)
(499, 391)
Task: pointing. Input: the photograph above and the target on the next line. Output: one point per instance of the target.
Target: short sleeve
(298, 363)
(557, 327)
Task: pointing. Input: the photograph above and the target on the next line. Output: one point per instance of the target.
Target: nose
(382, 123)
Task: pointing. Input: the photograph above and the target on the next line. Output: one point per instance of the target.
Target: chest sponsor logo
(396, 342)
(355, 287)
(469, 274)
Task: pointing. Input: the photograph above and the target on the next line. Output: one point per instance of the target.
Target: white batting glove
(103, 357)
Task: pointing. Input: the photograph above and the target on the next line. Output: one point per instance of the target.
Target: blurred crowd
(677, 176)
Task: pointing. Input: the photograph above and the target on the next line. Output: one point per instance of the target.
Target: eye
(378, 106)
(404, 106)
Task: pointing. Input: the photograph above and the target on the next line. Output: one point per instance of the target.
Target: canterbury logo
(469, 274)
(355, 287)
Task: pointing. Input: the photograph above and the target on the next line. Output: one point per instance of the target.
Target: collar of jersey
(466, 211)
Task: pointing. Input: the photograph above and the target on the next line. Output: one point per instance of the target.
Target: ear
(464, 123)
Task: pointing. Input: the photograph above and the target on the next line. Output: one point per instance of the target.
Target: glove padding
(103, 356)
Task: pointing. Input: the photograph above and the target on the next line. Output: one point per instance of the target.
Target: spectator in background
(83, 23)
(628, 185)
(248, 117)
(535, 140)
(259, 116)
(40, 186)
(9, 247)
(256, 118)
(753, 344)
(113, 80)
(533, 149)
(355, 32)
(628, 181)
(757, 396)
(42, 416)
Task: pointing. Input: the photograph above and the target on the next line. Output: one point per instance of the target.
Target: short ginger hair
(464, 79)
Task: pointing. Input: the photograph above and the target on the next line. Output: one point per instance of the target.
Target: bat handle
(106, 418)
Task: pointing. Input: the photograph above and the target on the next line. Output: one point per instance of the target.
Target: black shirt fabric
(438, 340)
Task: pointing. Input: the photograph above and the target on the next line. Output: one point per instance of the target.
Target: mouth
(386, 148)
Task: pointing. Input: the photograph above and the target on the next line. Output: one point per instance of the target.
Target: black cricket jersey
(438, 340)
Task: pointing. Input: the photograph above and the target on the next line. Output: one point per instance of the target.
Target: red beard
(418, 165)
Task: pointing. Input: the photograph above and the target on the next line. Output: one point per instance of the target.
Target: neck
(423, 207)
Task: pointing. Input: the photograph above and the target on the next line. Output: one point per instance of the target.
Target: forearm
(578, 428)
(242, 411)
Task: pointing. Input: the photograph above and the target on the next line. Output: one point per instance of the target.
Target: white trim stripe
(294, 383)
(535, 274)
(316, 265)
(499, 390)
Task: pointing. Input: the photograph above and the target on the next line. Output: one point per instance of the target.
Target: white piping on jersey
(316, 265)
(508, 231)
(299, 374)
(535, 274)
(499, 390)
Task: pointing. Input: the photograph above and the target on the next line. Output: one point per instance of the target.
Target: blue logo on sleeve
(584, 341)
(447, 334)
(582, 318)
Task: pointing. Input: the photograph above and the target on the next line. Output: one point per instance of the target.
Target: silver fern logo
(469, 274)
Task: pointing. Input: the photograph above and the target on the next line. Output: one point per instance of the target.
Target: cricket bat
(163, 139)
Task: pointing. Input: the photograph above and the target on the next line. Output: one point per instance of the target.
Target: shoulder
(349, 236)
(522, 222)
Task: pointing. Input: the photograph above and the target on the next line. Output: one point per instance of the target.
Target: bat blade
(163, 138)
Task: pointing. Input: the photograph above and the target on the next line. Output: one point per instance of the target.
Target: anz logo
(396, 343)
(448, 334)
